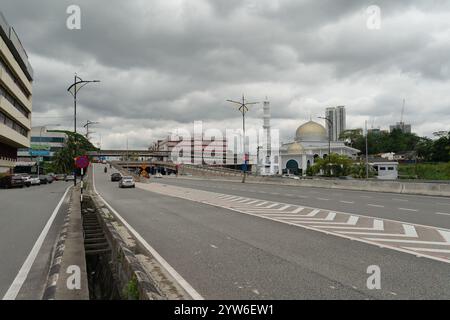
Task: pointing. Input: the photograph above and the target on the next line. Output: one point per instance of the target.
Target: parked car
(34, 180)
(12, 181)
(116, 176)
(158, 175)
(60, 177)
(69, 177)
(126, 182)
(43, 178)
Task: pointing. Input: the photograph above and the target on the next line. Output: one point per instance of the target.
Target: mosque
(310, 143)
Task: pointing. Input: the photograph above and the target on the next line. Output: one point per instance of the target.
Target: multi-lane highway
(225, 254)
(24, 214)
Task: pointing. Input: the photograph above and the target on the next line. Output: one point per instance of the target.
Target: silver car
(126, 182)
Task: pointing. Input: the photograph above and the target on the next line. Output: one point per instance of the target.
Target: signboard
(39, 153)
(40, 147)
(82, 162)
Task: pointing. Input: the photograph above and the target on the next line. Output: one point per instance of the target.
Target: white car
(126, 182)
(32, 181)
(158, 175)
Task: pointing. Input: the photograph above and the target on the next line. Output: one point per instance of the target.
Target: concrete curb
(137, 273)
(68, 250)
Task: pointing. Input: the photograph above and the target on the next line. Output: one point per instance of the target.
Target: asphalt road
(227, 255)
(430, 211)
(23, 215)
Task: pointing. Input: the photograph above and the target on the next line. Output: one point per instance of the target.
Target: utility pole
(77, 84)
(88, 123)
(330, 122)
(243, 109)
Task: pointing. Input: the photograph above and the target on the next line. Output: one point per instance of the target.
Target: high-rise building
(403, 127)
(16, 76)
(337, 116)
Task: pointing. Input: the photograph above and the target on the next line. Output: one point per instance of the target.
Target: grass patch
(426, 171)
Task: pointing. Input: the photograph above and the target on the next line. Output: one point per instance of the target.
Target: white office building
(337, 124)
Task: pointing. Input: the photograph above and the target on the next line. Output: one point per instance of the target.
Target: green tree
(334, 165)
(75, 145)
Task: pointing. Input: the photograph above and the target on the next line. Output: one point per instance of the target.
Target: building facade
(403, 127)
(44, 144)
(337, 115)
(196, 150)
(311, 142)
(16, 77)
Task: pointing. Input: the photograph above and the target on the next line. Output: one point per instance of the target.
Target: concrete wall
(419, 188)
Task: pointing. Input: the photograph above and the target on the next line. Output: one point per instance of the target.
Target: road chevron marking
(419, 240)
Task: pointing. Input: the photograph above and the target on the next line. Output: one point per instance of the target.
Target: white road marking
(443, 213)
(375, 205)
(407, 209)
(20, 278)
(272, 205)
(378, 225)
(428, 250)
(284, 207)
(297, 210)
(181, 281)
(262, 203)
(323, 199)
(445, 235)
(346, 201)
(410, 231)
(213, 246)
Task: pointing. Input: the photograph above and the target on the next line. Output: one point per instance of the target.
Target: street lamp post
(330, 126)
(243, 109)
(77, 84)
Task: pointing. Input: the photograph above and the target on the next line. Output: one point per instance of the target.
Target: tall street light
(330, 126)
(77, 84)
(243, 109)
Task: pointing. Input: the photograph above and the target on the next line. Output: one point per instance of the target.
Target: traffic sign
(82, 162)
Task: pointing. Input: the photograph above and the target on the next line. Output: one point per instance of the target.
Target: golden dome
(311, 131)
(295, 148)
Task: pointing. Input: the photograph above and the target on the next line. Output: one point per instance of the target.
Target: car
(26, 179)
(116, 176)
(34, 180)
(126, 182)
(157, 175)
(60, 177)
(12, 181)
(69, 177)
(43, 178)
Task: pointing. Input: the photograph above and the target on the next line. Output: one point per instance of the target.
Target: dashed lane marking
(375, 205)
(408, 209)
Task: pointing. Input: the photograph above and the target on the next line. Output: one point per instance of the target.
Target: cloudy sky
(165, 63)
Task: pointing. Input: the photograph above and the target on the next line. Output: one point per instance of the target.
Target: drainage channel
(101, 277)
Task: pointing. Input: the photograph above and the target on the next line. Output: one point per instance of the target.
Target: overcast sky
(165, 63)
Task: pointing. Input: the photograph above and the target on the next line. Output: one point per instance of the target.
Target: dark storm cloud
(167, 63)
